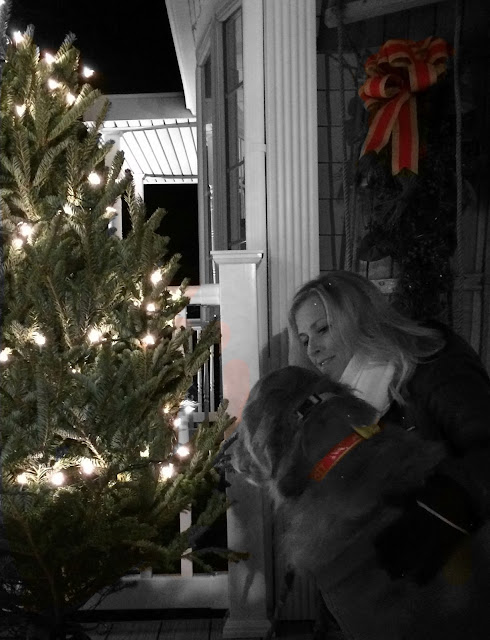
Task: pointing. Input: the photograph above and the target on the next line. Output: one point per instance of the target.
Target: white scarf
(370, 381)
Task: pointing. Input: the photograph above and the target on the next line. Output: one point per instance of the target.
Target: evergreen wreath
(413, 209)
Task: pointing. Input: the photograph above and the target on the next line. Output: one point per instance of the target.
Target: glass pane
(234, 125)
(207, 179)
(207, 79)
(236, 208)
(233, 51)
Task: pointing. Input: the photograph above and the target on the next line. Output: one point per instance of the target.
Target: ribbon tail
(405, 139)
(382, 124)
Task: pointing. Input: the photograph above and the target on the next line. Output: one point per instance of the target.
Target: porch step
(158, 630)
(190, 629)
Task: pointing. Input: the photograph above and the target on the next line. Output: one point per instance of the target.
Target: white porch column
(139, 186)
(292, 157)
(254, 126)
(255, 155)
(240, 361)
(117, 221)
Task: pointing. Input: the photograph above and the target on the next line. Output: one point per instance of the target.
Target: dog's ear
(249, 453)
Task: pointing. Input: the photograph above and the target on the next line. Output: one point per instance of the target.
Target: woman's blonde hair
(366, 323)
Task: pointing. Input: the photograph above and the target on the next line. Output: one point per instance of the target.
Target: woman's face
(321, 341)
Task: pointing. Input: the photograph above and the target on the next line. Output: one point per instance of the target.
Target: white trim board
(365, 9)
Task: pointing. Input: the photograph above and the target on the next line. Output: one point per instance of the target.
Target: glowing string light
(94, 335)
(177, 422)
(87, 72)
(49, 58)
(22, 478)
(57, 478)
(18, 37)
(25, 230)
(53, 84)
(94, 178)
(38, 338)
(167, 471)
(150, 307)
(68, 209)
(145, 453)
(156, 276)
(183, 451)
(20, 109)
(17, 243)
(5, 354)
(177, 295)
(70, 99)
(87, 466)
(148, 340)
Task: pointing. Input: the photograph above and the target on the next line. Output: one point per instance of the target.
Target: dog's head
(283, 433)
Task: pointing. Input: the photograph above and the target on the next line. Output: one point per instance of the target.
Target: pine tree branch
(4, 18)
(60, 310)
(40, 561)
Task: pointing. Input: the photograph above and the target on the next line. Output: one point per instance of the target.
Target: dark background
(130, 48)
(129, 45)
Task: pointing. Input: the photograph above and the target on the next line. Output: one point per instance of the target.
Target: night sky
(131, 51)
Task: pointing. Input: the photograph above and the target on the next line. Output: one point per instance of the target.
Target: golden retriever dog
(292, 419)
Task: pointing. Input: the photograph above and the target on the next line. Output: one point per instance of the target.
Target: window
(222, 171)
(207, 180)
(235, 169)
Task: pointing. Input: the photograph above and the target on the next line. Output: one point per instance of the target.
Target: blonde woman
(423, 377)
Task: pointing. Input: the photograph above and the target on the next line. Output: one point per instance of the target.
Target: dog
(292, 419)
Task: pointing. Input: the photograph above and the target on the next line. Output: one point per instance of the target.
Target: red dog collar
(324, 465)
(335, 454)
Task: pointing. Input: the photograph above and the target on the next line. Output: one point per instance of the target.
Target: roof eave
(185, 48)
(141, 106)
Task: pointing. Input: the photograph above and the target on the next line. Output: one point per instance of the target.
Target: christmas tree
(93, 372)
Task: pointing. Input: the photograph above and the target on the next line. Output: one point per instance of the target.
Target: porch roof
(157, 134)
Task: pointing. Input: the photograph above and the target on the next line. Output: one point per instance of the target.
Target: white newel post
(292, 157)
(139, 185)
(240, 361)
(138, 180)
(116, 223)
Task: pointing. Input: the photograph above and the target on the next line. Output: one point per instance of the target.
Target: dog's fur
(332, 524)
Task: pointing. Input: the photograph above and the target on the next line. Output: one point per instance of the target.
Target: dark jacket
(448, 399)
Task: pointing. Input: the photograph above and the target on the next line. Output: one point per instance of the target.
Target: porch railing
(185, 589)
(245, 589)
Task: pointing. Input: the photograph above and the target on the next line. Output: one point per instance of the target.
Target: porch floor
(194, 629)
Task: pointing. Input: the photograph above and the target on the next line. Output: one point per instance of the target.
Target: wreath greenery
(412, 217)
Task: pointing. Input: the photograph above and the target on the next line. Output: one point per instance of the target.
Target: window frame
(211, 49)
